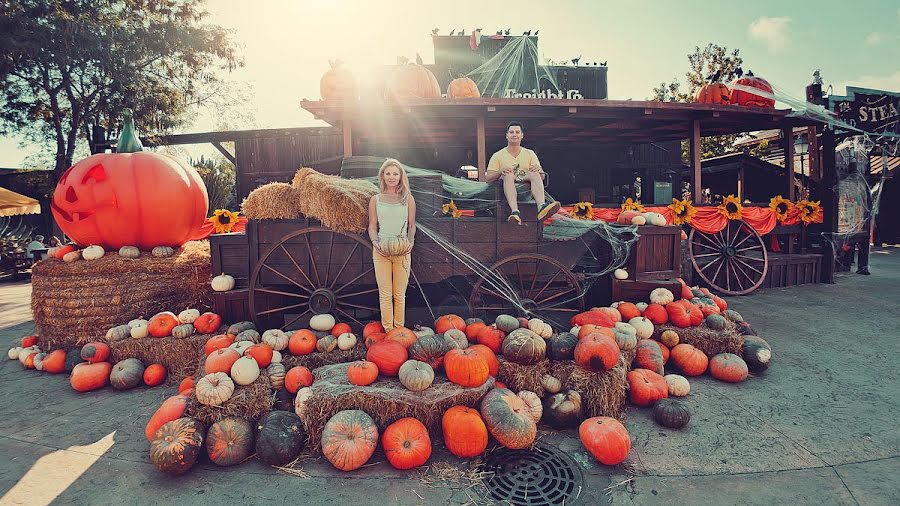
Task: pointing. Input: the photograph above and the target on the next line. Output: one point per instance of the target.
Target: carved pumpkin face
(132, 198)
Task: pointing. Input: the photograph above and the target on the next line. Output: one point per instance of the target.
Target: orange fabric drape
(207, 229)
(762, 219)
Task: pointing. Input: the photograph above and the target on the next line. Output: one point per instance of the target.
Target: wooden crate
(229, 255)
(233, 306)
(791, 270)
(639, 291)
(656, 255)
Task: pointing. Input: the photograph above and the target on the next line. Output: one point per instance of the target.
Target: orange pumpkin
(472, 331)
(597, 352)
(683, 314)
(340, 328)
(590, 328)
(628, 311)
(221, 360)
(217, 342)
(412, 81)
(29, 341)
(665, 352)
(186, 385)
(63, 250)
(374, 338)
(748, 98)
(349, 439)
(465, 434)
(728, 367)
(646, 387)
(403, 336)
(154, 375)
(463, 87)
(302, 342)
(491, 337)
(373, 328)
(55, 362)
(656, 313)
(229, 441)
(103, 199)
(95, 352)
(406, 443)
(171, 409)
(447, 322)
(388, 356)
(489, 356)
(161, 324)
(297, 378)
(601, 317)
(508, 419)
(713, 93)
(338, 83)
(362, 373)
(606, 439)
(86, 376)
(261, 352)
(208, 323)
(689, 360)
(466, 367)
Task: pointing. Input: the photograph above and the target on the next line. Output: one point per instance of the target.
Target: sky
(287, 43)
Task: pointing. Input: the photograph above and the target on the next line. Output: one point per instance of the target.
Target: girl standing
(392, 215)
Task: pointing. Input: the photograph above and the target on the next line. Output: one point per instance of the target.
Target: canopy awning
(13, 204)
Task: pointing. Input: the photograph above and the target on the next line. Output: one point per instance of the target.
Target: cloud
(772, 31)
(875, 38)
(890, 82)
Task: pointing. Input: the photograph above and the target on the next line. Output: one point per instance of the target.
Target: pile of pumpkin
(165, 324)
(70, 252)
(89, 367)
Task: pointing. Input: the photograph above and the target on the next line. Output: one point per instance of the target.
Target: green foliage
(219, 178)
(67, 68)
(703, 64)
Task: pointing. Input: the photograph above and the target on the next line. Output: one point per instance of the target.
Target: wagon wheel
(733, 261)
(314, 271)
(536, 286)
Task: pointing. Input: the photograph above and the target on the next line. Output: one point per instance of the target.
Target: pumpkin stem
(128, 139)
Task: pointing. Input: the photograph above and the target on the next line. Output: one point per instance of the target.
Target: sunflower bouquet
(810, 210)
(683, 211)
(223, 221)
(583, 211)
(451, 209)
(731, 208)
(631, 205)
(780, 206)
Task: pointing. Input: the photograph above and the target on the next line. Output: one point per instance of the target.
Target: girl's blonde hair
(404, 180)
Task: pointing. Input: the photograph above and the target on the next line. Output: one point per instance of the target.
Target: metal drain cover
(540, 476)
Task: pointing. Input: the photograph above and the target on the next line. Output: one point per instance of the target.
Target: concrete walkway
(820, 427)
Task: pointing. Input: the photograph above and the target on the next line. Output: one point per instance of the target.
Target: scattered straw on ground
(602, 394)
(250, 402)
(272, 201)
(386, 401)
(340, 204)
(74, 303)
(454, 475)
(712, 342)
(179, 356)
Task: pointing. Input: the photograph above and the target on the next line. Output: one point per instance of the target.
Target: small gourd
(13, 353)
(188, 315)
(183, 331)
(327, 344)
(129, 252)
(245, 371)
(276, 356)
(39, 361)
(138, 321)
(620, 274)
(276, 339)
(669, 338)
(346, 341)
(679, 386)
(551, 384)
(162, 251)
(118, 333)
(249, 335)
(140, 331)
(276, 372)
(661, 296)
(300, 402)
(222, 283)
(626, 336)
(72, 256)
(534, 404)
(322, 322)
(93, 252)
(540, 328)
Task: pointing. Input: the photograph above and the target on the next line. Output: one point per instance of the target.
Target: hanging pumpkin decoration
(463, 87)
(412, 81)
(406, 443)
(748, 98)
(338, 83)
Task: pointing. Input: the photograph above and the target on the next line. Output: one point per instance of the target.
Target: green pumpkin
(562, 346)
(523, 346)
(671, 413)
(507, 323)
(239, 327)
(73, 358)
(429, 349)
(757, 353)
(733, 315)
(247, 335)
(715, 322)
(182, 331)
(279, 438)
(127, 374)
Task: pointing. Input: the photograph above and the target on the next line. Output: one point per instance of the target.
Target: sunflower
(583, 211)
(810, 210)
(223, 221)
(683, 211)
(630, 205)
(731, 208)
(781, 207)
(451, 209)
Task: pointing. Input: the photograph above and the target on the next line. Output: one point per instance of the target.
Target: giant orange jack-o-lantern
(130, 197)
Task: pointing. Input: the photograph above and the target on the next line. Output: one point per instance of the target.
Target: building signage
(872, 111)
(565, 94)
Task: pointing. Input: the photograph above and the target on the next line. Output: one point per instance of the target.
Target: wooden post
(348, 138)
(482, 148)
(815, 165)
(829, 203)
(740, 184)
(788, 135)
(696, 161)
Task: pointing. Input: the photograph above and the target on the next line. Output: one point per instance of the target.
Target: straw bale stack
(340, 204)
(272, 201)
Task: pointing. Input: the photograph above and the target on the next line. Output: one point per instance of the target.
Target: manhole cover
(532, 477)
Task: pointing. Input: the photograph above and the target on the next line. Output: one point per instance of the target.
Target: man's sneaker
(548, 210)
(514, 217)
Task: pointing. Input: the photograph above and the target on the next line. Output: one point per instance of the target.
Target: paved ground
(820, 427)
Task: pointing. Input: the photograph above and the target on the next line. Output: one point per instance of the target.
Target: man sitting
(515, 164)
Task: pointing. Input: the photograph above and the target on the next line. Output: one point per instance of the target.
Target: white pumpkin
(661, 296)
(421, 332)
(620, 274)
(13, 353)
(533, 402)
(188, 315)
(638, 220)
(551, 384)
(322, 322)
(641, 306)
(276, 339)
(245, 371)
(625, 328)
(575, 330)
(643, 326)
(93, 252)
(222, 283)
(655, 219)
(72, 256)
(346, 341)
(240, 346)
(303, 395)
(679, 386)
(129, 252)
(138, 321)
(140, 331)
(540, 327)
(276, 357)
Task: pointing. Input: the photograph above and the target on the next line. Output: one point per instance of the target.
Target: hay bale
(316, 359)
(340, 204)
(250, 402)
(522, 377)
(74, 303)
(272, 201)
(178, 356)
(386, 401)
(712, 342)
(602, 394)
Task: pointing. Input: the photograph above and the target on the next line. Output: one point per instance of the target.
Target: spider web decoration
(515, 69)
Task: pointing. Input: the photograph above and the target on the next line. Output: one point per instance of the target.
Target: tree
(704, 63)
(68, 69)
(219, 178)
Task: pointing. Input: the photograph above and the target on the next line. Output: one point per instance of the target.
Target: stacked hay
(74, 303)
(709, 341)
(386, 401)
(250, 402)
(317, 359)
(340, 204)
(273, 201)
(522, 377)
(602, 394)
(178, 356)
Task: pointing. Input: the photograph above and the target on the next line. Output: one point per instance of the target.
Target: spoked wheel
(535, 286)
(314, 271)
(733, 261)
